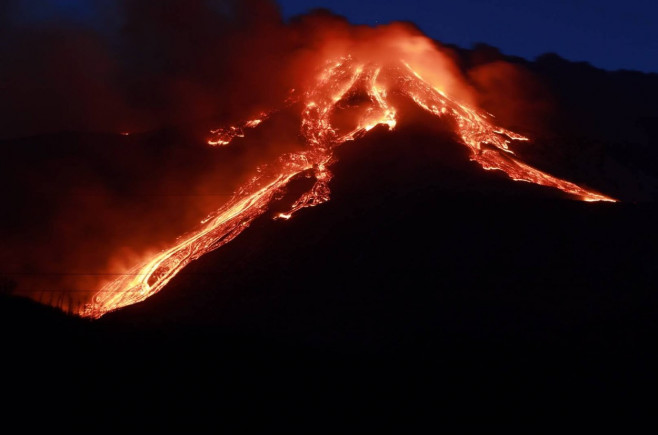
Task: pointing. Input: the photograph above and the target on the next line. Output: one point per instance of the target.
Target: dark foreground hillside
(400, 295)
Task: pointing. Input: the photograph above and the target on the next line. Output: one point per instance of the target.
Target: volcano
(423, 271)
(384, 232)
(359, 94)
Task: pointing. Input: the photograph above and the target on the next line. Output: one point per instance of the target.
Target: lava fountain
(339, 78)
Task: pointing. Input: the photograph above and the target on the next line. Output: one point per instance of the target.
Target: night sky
(608, 34)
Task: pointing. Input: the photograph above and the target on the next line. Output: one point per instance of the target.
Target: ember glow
(338, 81)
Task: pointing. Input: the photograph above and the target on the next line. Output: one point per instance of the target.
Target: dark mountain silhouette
(426, 285)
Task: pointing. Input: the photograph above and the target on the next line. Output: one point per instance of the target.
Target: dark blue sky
(608, 34)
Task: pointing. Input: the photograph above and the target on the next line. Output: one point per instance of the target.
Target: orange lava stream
(339, 80)
(224, 136)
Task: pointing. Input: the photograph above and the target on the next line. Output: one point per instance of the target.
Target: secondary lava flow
(339, 82)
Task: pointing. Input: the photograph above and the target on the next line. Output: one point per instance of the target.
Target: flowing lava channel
(340, 79)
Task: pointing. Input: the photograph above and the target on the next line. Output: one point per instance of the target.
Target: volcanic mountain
(422, 263)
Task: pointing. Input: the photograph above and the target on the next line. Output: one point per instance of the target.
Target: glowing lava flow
(340, 80)
(224, 136)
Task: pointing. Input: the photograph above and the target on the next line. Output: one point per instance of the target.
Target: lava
(224, 136)
(339, 79)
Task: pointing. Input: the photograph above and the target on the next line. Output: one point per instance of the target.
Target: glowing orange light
(335, 82)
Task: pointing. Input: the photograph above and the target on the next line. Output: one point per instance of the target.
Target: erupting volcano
(306, 214)
(348, 96)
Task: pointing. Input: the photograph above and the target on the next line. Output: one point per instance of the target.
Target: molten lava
(337, 82)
